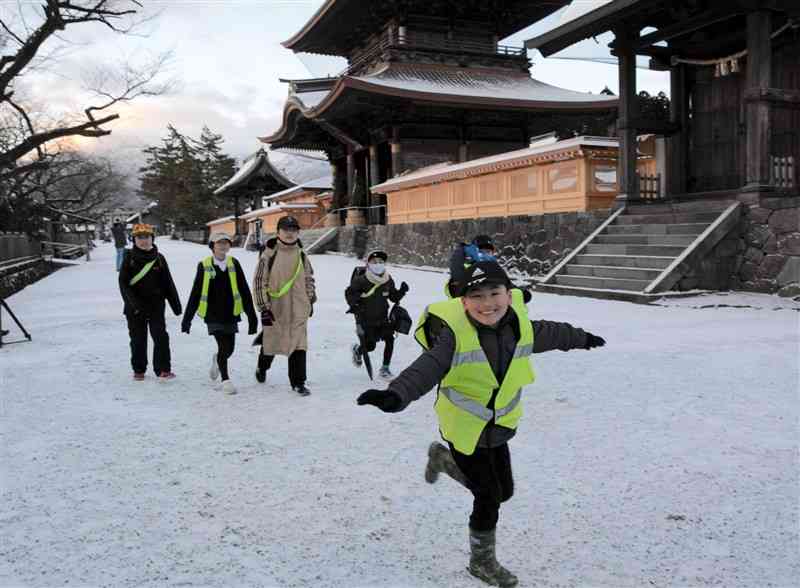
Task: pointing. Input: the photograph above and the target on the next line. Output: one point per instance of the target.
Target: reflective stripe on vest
(372, 291)
(143, 272)
(208, 274)
(462, 404)
(288, 285)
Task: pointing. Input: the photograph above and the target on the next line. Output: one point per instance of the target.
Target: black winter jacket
(373, 310)
(220, 298)
(148, 294)
(498, 343)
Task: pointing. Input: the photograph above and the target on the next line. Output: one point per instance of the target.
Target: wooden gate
(716, 132)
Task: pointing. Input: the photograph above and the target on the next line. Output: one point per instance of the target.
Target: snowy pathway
(669, 458)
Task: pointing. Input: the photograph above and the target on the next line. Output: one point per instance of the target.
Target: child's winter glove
(252, 326)
(403, 288)
(267, 318)
(594, 341)
(186, 327)
(386, 400)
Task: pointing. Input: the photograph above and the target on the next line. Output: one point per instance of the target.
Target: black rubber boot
(441, 460)
(483, 563)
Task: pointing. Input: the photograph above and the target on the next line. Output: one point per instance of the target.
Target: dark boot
(441, 460)
(483, 563)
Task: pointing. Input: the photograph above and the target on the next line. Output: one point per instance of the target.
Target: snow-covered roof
(258, 164)
(142, 212)
(443, 84)
(270, 210)
(224, 219)
(450, 171)
(323, 183)
(470, 83)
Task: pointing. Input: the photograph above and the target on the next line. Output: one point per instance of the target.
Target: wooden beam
(628, 111)
(688, 26)
(759, 77)
(776, 95)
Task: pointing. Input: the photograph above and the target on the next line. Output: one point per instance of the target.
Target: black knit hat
(378, 253)
(484, 273)
(288, 222)
(483, 242)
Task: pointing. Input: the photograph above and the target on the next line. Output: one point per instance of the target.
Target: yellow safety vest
(208, 274)
(462, 403)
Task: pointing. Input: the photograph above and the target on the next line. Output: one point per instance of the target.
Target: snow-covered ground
(668, 458)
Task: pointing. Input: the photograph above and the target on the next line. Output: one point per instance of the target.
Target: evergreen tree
(182, 173)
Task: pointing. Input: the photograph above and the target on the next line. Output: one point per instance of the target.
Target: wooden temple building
(734, 86)
(427, 82)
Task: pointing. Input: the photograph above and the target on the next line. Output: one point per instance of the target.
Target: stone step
(645, 239)
(602, 283)
(654, 229)
(618, 249)
(604, 271)
(641, 261)
(666, 218)
(675, 207)
(622, 295)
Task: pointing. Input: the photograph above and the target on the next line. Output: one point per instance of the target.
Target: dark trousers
(226, 342)
(297, 365)
(489, 478)
(385, 333)
(137, 329)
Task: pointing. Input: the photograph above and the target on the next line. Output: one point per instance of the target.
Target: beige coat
(289, 332)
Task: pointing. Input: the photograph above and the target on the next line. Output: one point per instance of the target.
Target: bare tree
(22, 42)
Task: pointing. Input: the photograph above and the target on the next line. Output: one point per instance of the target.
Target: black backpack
(400, 320)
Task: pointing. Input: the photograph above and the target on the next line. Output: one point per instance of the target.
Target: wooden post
(394, 145)
(628, 111)
(677, 143)
(759, 77)
(351, 171)
(374, 180)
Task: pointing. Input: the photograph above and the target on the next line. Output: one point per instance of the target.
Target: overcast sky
(228, 60)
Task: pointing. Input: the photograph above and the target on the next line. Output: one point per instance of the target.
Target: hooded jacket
(148, 294)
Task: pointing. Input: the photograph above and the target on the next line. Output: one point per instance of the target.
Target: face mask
(377, 268)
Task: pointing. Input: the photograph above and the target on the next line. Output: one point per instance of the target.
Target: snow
(667, 458)
(467, 82)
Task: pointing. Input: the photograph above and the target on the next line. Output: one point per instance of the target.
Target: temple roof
(321, 183)
(544, 151)
(447, 85)
(257, 165)
(339, 25)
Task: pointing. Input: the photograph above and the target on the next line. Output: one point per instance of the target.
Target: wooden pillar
(628, 112)
(394, 145)
(351, 171)
(759, 77)
(677, 144)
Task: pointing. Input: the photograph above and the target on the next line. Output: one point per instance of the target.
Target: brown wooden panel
(525, 183)
(440, 196)
(489, 189)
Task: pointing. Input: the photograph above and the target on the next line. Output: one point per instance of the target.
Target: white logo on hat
(478, 272)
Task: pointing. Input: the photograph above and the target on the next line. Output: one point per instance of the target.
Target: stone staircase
(641, 251)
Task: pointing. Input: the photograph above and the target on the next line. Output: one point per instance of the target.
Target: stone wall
(768, 252)
(12, 283)
(528, 245)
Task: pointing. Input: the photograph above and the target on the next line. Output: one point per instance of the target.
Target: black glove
(386, 400)
(311, 312)
(593, 341)
(403, 288)
(179, 311)
(252, 327)
(186, 327)
(356, 309)
(267, 318)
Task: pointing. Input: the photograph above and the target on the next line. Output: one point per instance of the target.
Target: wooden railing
(650, 187)
(783, 171)
(430, 42)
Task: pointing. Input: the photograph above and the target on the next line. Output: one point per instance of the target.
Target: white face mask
(377, 268)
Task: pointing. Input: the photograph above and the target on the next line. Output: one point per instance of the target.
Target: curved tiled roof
(445, 85)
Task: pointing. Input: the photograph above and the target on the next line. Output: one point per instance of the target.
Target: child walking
(220, 295)
(477, 350)
(145, 284)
